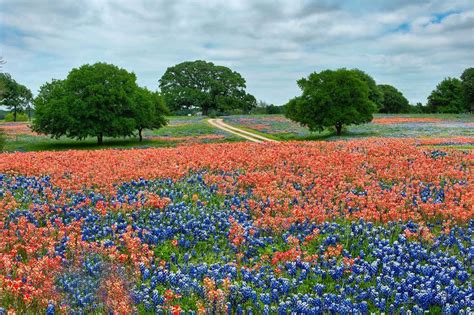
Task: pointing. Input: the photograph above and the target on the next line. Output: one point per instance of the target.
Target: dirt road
(219, 123)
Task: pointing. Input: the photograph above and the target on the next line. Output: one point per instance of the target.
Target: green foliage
(447, 97)
(393, 101)
(263, 108)
(16, 97)
(467, 86)
(3, 113)
(375, 93)
(99, 100)
(417, 109)
(19, 117)
(204, 86)
(331, 98)
(2, 140)
(148, 110)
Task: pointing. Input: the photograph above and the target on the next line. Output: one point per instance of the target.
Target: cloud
(412, 45)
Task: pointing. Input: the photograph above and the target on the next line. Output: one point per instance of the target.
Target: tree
(96, 100)
(100, 100)
(52, 111)
(149, 111)
(467, 86)
(447, 97)
(393, 100)
(16, 97)
(331, 98)
(375, 94)
(206, 86)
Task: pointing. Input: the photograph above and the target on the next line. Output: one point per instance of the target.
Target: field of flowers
(179, 131)
(350, 227)
(399, 126)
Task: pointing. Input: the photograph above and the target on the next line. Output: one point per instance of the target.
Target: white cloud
(410, 44)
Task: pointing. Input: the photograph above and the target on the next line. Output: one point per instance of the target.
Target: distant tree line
(337, 98)
(264, 108)
(103, 100)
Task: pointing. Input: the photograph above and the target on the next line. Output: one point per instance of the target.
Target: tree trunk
(140, 137)
(338, 128)
(14, 113)
(100, 139)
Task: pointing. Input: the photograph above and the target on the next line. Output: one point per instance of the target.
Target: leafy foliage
(205, 86)
(375, 93)
(149, 110)
(331, 98)
(467, 86)
(16, 97)
(447, 97)
(265, 108)
(96, 101)
(2, 140)
(393, 100)
(19, 117)
(52, 111)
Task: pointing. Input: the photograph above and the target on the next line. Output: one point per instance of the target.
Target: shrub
(19, 117)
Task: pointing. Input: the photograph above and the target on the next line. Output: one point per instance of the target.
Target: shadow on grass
(47, 144)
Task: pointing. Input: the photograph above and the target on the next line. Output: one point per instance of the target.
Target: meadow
(383, 125)
(179, 131)
(359, 226)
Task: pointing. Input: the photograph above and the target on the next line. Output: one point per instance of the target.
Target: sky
(410, 44)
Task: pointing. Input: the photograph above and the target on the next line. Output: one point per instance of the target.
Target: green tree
(149, 111)
(16, 97)
(467, 85)
(393, 100)
(375, 94)
(331, 98)
(447, 97)
(51, 110)
(99, 100)
(203, 85)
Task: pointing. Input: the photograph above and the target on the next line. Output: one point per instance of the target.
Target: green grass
(41, 143)
(186, 127)
(179, 127)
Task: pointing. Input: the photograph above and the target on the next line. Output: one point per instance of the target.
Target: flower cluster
(361, 226)
(13, 129)
(401, 120)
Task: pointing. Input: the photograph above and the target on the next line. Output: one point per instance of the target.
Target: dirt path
(219, 123)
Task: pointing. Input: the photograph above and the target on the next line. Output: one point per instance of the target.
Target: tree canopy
(467, 85)
(393, 100)
(331, 98)
(447, 97)
(16, 97)
(375, 94)
(99, 100)
(149, 110)
(203, 85)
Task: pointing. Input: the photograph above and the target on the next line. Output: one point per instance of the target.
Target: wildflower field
(383, 125)
(349, 227)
